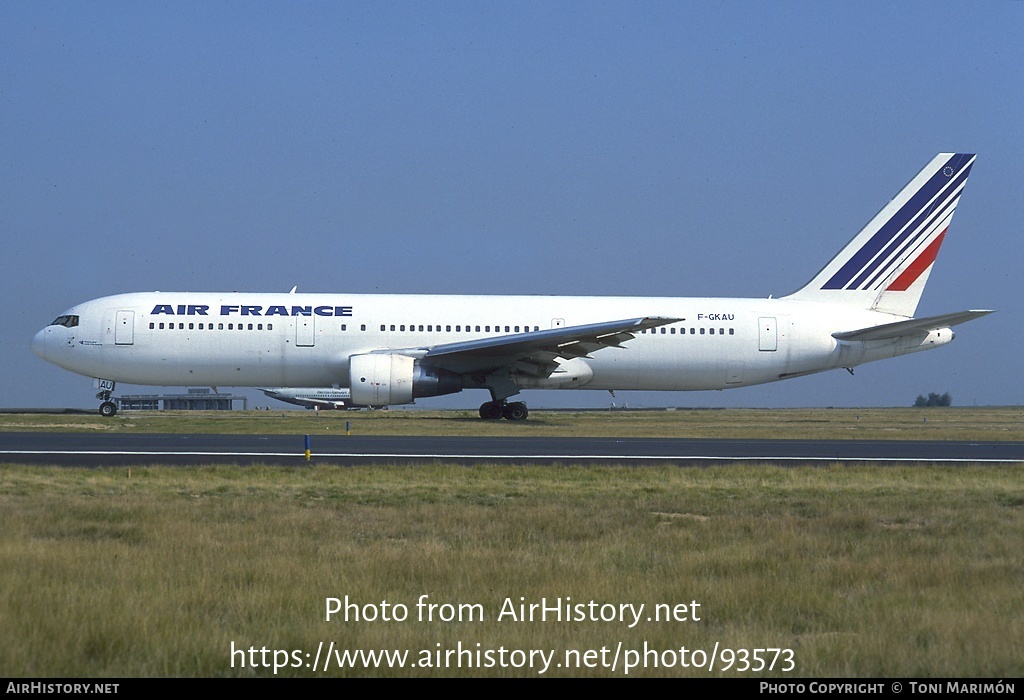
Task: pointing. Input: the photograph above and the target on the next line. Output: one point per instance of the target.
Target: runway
(82, 449)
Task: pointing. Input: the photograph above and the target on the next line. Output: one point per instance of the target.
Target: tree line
(934, 399)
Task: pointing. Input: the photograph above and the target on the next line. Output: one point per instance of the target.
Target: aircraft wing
(536, 353)
(898, 329)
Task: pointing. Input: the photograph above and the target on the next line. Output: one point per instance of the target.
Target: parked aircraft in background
(392, 349)
(322, 398)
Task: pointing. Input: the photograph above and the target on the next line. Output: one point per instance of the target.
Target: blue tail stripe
(947, 199)
(917, 228)
(922, 235)
(862, 258)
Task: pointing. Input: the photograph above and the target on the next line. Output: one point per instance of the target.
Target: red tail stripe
(923, 261)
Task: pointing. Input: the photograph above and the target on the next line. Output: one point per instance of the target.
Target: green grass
(989, 423)
(864, 571)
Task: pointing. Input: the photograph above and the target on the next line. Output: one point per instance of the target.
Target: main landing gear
(494, 410)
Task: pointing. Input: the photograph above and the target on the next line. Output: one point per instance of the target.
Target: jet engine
(388, 379)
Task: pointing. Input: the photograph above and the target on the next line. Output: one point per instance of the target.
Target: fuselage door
(124, 328)
(305, 331)
(768, 335)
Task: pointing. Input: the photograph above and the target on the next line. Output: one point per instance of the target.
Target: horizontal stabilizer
(915, 325)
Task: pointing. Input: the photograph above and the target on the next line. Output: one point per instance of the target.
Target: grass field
(990, 423)
(859, 571)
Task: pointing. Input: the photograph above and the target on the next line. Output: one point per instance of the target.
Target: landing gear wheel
(491, 410)
(108, 409)
(516, 411)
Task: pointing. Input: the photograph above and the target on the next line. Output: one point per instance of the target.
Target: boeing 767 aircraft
(393, 349)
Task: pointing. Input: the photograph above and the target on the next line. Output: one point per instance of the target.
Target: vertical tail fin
(886, 265)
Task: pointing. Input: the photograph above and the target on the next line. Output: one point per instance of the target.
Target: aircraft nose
(39, 344)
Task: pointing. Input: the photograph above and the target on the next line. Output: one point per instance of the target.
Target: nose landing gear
(108, 409)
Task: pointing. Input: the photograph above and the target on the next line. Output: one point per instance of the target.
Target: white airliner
(324, 398)
(392, 349)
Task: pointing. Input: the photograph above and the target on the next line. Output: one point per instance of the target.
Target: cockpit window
(66, 321)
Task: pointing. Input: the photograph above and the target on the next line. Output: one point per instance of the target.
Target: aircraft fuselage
(305, 340)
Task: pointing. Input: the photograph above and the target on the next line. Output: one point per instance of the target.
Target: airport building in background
(194, 400)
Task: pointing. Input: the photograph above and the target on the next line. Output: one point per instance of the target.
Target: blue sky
(609, 148)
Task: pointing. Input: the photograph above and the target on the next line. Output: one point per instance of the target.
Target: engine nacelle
(386, 379)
